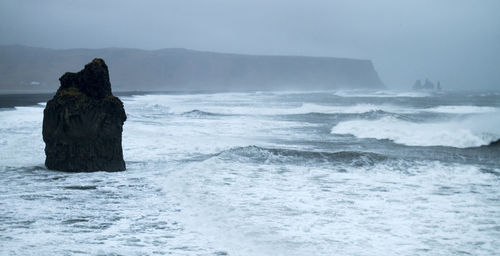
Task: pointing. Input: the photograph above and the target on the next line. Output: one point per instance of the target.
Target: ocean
(266, 173)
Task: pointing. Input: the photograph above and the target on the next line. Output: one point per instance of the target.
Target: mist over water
(266, 173)
(453, 41)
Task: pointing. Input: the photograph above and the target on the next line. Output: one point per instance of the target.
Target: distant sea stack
(171, 69)
(82, 123)
(427, 85)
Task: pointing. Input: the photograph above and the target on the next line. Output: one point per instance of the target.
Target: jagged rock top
(92, 81)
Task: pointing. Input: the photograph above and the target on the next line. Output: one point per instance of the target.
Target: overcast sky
(454, 41)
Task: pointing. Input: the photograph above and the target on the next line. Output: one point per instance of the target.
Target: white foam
(244, 105)
(472, 132)
(288, 210)
(305, 108)
(461, 109)
(381, 94)
(21, 142)
(353, 109)
(165, 203)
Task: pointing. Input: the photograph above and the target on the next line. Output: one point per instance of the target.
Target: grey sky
(455, 41)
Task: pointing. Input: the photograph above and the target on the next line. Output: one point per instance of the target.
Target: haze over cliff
(37, 69)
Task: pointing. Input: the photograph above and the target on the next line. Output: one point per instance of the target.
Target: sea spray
(472, 131)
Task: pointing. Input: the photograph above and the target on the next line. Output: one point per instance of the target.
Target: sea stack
(83, 123)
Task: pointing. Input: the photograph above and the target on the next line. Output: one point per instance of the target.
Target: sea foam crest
(381, 94)
(186, 109)
(472, 132)
(352, 109)
(461, 109)
(299, 157)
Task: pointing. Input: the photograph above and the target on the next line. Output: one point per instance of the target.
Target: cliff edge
(83, 123)
(30, 68)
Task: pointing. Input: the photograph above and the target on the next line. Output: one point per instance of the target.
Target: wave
(311, 108)
(198, 113)
(381, 94)
(461, 109)
(306, 108)
(298, 157)
(20, 116)
(354, 109)
(392, 109)
(471, 132)
(220, 104)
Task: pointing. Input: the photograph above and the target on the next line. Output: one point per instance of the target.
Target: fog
(454, 41)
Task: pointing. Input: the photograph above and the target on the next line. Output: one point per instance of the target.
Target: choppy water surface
(325, 173)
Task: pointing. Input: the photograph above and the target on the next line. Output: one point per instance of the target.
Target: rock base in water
(83, 123)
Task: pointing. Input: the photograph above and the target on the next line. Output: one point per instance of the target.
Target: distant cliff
(29, 68)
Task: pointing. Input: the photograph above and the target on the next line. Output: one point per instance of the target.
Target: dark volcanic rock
(82, 124)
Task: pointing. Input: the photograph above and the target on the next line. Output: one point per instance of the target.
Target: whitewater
(266, 173)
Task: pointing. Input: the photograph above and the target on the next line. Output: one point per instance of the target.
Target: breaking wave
(298, 157)
(306, 108)
(354, 109)
(381, 94)
(198, 113)
(472, 132)
(461, 109)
